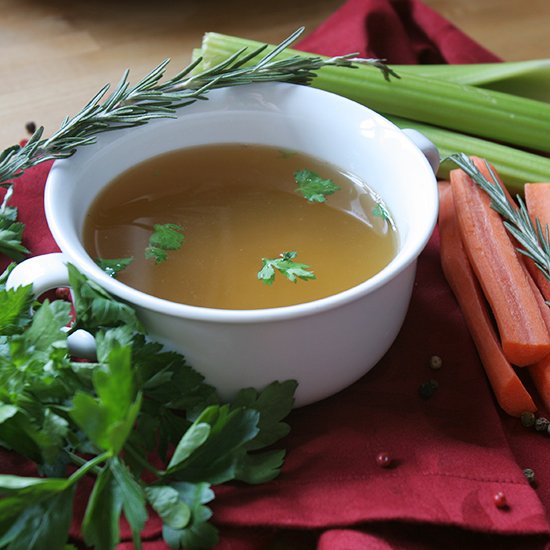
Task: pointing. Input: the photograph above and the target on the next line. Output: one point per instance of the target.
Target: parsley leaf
(96, 308)
(44, 524)
(286, 265)
(113, 266)
(165, 500)
(11, 231)
(100, 524)
(14, 309)
(313, 187)
(165, 237)
(380, 211)
(274, 403)
(138, 397)
(198, 533)
(108, 419)
(132, 497)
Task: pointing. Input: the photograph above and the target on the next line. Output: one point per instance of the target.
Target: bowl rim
(401, 261)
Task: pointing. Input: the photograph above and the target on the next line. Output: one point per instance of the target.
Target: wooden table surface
(55, 54)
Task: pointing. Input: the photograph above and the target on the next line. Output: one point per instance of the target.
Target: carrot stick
(540, 374)
(494, 260)
(537, 200)
(537, 206)
(507, 387)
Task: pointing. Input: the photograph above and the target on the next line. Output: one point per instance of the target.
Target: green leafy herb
(313, 187)
(165, 237)
(113, 266)
(286, 265)
(11, 231)
(103, 419)
(96, 308)
(380, 211)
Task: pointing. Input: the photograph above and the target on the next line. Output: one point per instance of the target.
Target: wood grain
(55, 54)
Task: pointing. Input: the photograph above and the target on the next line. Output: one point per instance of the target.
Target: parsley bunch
(102, 420)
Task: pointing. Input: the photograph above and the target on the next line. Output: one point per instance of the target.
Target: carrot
(537, 200)
(493, 257)
(537, 206)
(509, 391)
(540, 372)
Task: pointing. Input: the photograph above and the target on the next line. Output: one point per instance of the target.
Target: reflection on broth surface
(237, 204)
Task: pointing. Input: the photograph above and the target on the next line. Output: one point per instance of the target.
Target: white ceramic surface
(325, 345)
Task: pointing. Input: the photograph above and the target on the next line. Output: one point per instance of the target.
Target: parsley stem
(136, 455)
(87, 466)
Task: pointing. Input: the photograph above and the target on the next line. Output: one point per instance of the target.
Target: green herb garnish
(380, 211)
(11, 231)
(313, 187)
(167, 236)
(113, 266)
(101, 420)
(286, 265)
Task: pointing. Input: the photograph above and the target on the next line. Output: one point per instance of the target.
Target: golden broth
(238, 204)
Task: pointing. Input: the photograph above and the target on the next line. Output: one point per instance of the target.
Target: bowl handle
(45, 273)
(426, 146)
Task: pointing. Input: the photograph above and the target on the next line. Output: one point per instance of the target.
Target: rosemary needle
(150, 99)
(533, 238)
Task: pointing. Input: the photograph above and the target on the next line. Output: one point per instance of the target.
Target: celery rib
(530, 79)
(516, 167)
(485, 113)
(477, 74)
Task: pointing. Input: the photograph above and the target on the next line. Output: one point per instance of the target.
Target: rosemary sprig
(533, 238)
(150, 99)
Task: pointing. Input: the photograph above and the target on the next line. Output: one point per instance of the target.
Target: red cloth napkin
(451, 453)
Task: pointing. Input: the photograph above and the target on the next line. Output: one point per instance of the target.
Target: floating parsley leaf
(380, 211)
(167, 236)
(113, 266)
(286, 265)
(313, 187)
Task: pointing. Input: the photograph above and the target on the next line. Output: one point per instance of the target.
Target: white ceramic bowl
(325, 345)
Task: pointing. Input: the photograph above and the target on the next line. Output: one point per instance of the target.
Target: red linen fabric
(451, 453)
(401, 31)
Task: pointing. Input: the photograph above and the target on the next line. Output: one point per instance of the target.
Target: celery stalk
(476, 74)
(516, 167)
(485, 113)
(522, 78)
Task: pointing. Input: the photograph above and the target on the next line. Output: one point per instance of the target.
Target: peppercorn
(436, 362)
(500, 500)
(384, 460)
(527, 419)
(541, 424)
(427, 389)
(530, 475)
(63, 293)
(30, 127)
